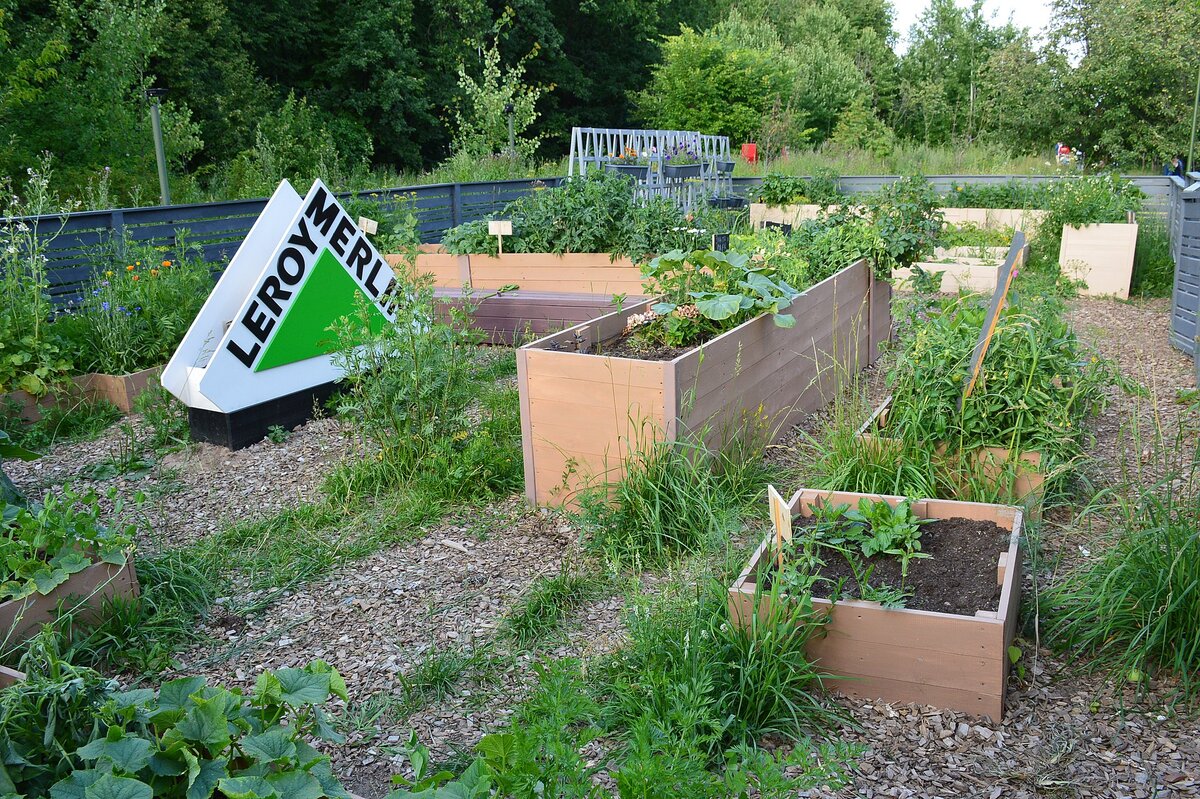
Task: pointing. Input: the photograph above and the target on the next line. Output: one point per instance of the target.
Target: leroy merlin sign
(263, 333)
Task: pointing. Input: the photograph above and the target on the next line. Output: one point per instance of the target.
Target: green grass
(546, 604)
(1153, 267)
(61, 423)
(675, 498)
(907, 159)
(1135, 607)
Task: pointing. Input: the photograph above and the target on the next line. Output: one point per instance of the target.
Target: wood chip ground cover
(439, 599)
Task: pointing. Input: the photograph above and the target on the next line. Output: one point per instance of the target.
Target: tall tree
(1130, 96)
(948, 47)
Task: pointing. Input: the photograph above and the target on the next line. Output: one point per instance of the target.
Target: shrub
(32, 356)
(1011, 194)
(907, 217)
(596, 213)
(821, 189)
(415, 390)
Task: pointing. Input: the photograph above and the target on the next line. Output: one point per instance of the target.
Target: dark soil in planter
(630, 347)
(960, 577)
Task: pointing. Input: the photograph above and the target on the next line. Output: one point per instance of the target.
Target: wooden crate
(569, 273)
(955, 277)
(1101, 256)
(900, 655)
(992, 462)
(582, 414)
(83, 593)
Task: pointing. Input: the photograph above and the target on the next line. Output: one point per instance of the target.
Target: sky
(1032, 14)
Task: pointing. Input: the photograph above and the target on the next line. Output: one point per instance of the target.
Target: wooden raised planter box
(1024, 219)
(900, 655)
(582, 414)
(762, 214)
(1101, 256)
(120, 390)
(84, 593)
(516, 316)
(992, 462)
(569, 273)
(962, 269)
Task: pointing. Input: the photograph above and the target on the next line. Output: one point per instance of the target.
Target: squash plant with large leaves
(704, 294)
(194, 741)
(41, 546)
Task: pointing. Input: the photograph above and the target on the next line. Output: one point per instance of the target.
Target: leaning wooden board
(900, 655)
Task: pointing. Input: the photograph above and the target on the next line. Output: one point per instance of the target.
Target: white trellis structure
(593, 148)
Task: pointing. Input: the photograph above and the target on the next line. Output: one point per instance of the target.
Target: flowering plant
(630, 157)
(136, 311)
(681, 155)
(706, 293)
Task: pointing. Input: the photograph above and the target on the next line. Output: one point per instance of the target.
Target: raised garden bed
(84, 593)
(512, 317)
(1024, 219)
(582, 413)
(950, 660)
(1101, 256)
(120, 390)
(762, 214)
(569, 273)
(991, 463)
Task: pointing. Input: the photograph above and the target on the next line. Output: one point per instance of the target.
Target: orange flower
(129, 268)
(153, 273)
(166, 263)
(135, 277)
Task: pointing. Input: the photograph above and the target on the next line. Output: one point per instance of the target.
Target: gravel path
(200, 489)
(447, 590)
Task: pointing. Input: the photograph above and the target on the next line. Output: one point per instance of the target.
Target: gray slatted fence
(1185, 299)
(81, 241)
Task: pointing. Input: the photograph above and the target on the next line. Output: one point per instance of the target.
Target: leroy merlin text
(324, 218)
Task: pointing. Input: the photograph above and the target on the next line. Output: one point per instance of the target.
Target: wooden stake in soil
(1003, 283)
(781, 520)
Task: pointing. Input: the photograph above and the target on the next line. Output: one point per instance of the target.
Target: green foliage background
(264, 89)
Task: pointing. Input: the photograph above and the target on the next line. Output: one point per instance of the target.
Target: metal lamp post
(160, 153)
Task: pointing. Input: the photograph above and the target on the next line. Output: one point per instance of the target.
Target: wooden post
(781, 521)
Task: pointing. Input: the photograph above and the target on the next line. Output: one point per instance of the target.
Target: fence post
(117, 225)
(456, 205)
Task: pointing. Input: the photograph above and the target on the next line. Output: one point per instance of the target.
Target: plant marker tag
(781, 521)
(1004, 279)
(367, 225)
(500, 228)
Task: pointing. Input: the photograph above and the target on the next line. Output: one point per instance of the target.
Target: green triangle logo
(328, 293)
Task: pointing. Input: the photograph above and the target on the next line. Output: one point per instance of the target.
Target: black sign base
(248, 426)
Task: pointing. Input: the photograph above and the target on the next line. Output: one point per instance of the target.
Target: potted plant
(681, 163)
(920, 597)
(630, 163)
